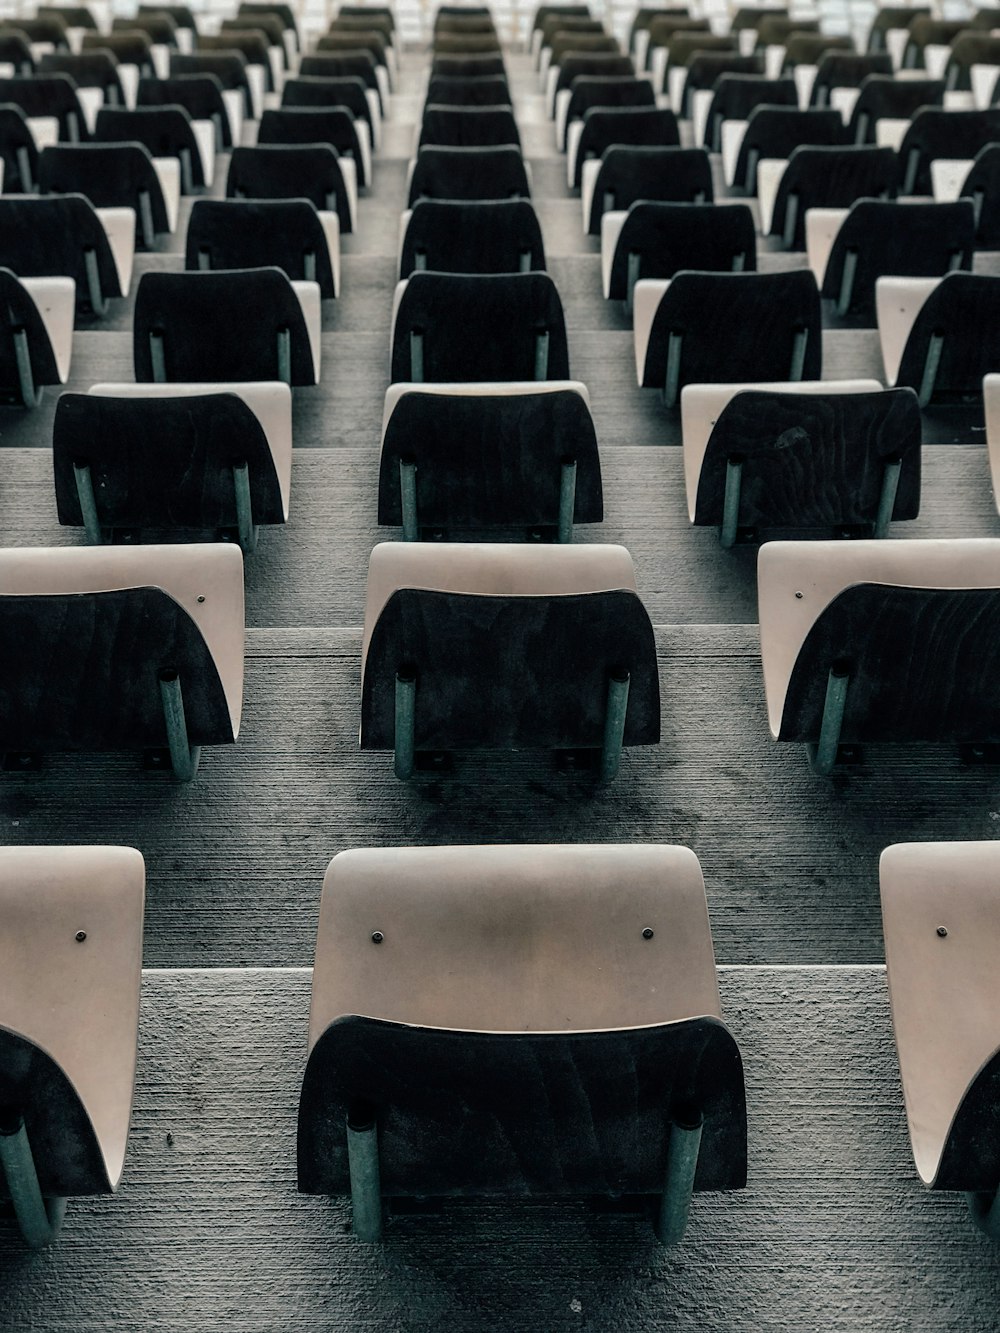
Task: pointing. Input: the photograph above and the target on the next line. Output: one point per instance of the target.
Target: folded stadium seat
(72, 16)
(15, 51)
(820, 178)
(578, 1051)
(683, 48)
(889, 30)
(735, 96)
(36, 335)
(254, 48)
(203, 97)
(250, 10)
(586, 92)
(836, 78)
(498, 172)
(137, 57)
(492, 90)
(468, 67)
(330, 125)
(627, 173)
(691, 329)
(241, 324)
(296, 171)
(850, 249)
(95, 74)
(657, 240)
(571, 27)
(940, 336)
(290, 234)
(138, 457)
(66, 236)
(940, 919)
(272, 29)
(348, 94)
(882, 98)
(347, 65)
(167, 131)
(589, 67)
(121, 175)
(875, 641)
(504, 647)
(966, 52)
(479, 457)
(544, 12)
(121, 649)
(48, 97)
(600, 129)
(185, 27)
(468, 127)
(159, 28)
(929, 41)
(774, 132)
(495, 326)
(355, 40)
(573, 48)
(19, 147)
(934, 133)
(46, 31)
(71, 944)
(841, 454)
(471, 236)
(662, 30)
(704, 70)
(232, 71)
(804, 51)
(977, 180)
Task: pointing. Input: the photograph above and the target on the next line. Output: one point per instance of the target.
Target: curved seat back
(441, 172)
(648, 126)
(199, 94)
(657, 240)
(632, 172)
(469, 127)
(167, 131)
(472, 236)
(52, 237)
(290, 171)
(262, 233)
(936, 132)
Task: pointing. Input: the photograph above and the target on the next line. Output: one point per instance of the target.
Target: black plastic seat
(880, 238)
(706, 68)
(819, 177)
(693, 329)
(489, 90)
(71, 16)
(834, 457)
(952, 340)
(322, 92)
(845, 69)
(736, 96)
(46, 28)
(883, 97)
(323, 125)
(344, 65)
(199, 94)
(982, 186)
(229, 67)
(461, 327)
(495, 457)
(87, 69)
(120, 175)
(15, 50)
(60, 235)
(890, 17)
(469, 127)
(468, 173)
(498, 236)
(775, 132)
(167, 131)
(251, 45)
(243, 324)
(18, 150)
(657, 240)
(158, 26)
(968, 49)
(644, 126)
(291, 171)
(468, 67)
(809, 48)
(130, 46)
(588, 92)
(48, 95)
(939, 133)
(594, 66)
(629, 173)
(264, 233)
(926, 30)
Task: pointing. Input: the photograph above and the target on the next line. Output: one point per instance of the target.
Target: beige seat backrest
(944, 988)
(515, 938)
(480, 389)
(77, 1000)
(206, 580)
(703, 404)
(269, 400)
(991, 401)
(898, 302)
(491, 569)
(796, 581)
